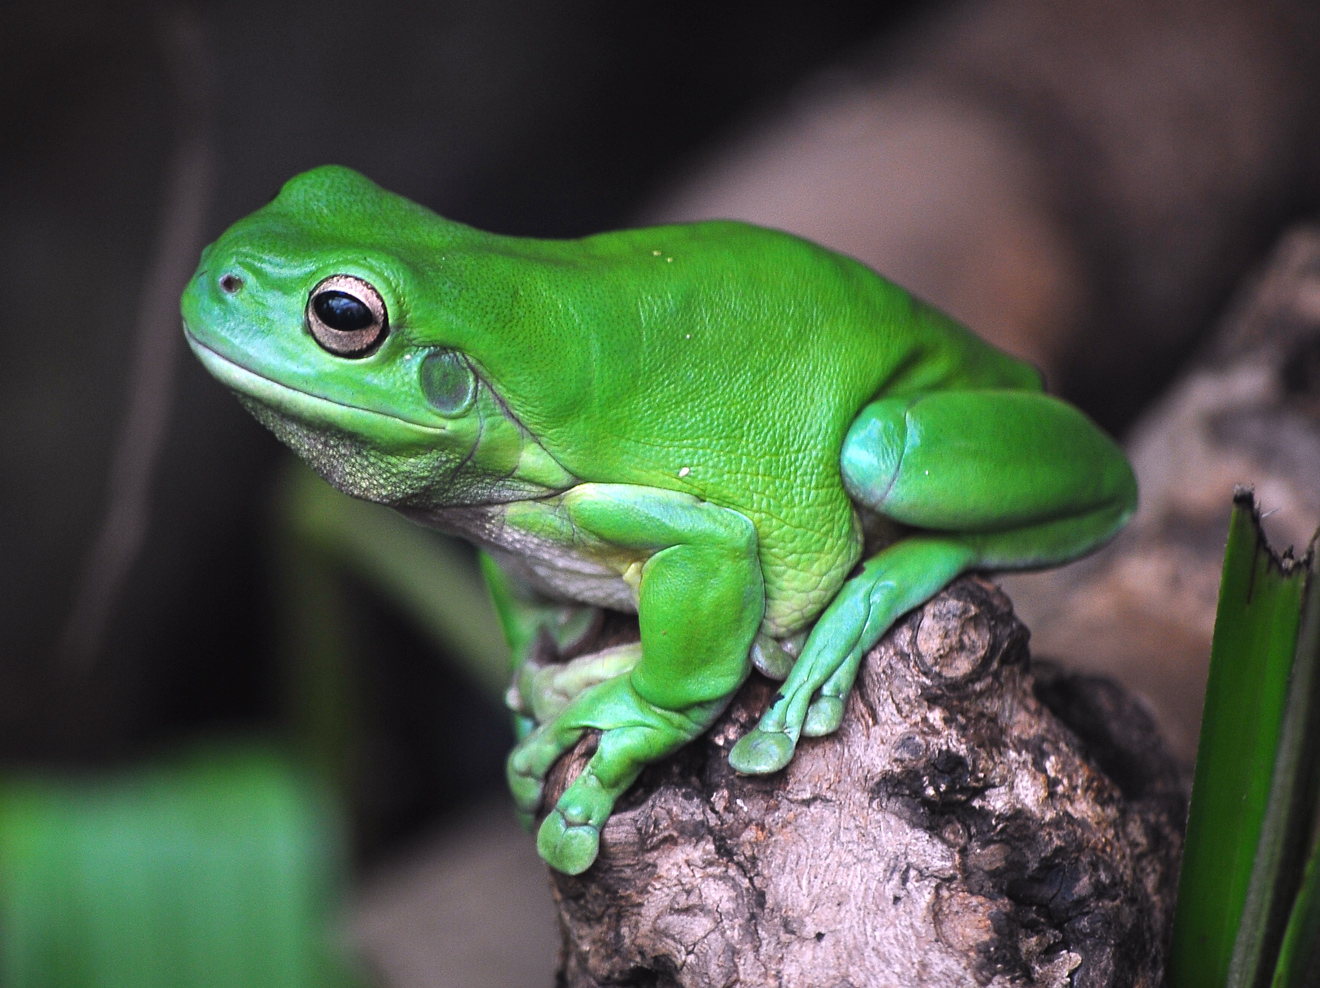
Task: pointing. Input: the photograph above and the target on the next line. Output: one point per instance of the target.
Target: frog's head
(305, 310)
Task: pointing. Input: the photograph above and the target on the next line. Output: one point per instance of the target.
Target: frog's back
(727, 361)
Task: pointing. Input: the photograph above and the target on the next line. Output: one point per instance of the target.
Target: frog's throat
(313, 409)
(365, 453)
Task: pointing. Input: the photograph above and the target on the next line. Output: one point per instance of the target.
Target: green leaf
(1299, 954)
(1286, 830)
(1234, 891)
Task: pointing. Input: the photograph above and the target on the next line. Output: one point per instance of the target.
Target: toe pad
(761, 752)
(565, 847)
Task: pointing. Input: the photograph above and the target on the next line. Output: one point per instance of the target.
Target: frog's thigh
(987, 463)
(1007, 479)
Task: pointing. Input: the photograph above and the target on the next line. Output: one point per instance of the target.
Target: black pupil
(342, 311)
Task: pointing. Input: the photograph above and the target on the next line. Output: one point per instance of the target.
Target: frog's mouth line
(311, 408)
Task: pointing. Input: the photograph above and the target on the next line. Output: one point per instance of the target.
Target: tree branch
(954, 831)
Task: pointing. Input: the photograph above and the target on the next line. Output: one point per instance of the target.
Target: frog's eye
(347, 316)
(448, 381)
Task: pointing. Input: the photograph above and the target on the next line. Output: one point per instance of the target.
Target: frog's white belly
(578, 572)
(565, 576)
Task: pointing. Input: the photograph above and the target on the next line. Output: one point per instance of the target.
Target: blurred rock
(469, 908)
(1247, 412)
(1080, 184)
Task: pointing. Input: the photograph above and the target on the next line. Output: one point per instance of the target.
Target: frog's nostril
(230, 282)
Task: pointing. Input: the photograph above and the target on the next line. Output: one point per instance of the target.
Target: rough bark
(972, 822)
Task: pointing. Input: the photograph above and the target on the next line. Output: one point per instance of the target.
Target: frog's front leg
(700, 600)
(994, 480)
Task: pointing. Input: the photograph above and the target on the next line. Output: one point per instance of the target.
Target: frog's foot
(811, 701)
(769, 746)
(530, 760)
(556, 690)
(567, 847)
(635, 733)
(551, 688)
(522, 726)
(823, 716)
(525, 790)
(825, 713)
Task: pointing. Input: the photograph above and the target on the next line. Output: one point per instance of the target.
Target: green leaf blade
(1298, 964)
(1255, 639)
(1282, 853)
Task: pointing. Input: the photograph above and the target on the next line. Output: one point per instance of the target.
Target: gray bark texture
(974, 821)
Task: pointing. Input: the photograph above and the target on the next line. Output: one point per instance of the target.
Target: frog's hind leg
(635, 733)
(995, 480)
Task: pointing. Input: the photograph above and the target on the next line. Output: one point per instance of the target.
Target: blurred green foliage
(335, 557)
(431, 578)
(223, 867)
(218, 869)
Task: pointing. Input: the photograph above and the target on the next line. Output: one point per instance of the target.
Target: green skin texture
(702, 419)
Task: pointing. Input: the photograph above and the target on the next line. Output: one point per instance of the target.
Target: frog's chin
(386, 430)
(365, 454)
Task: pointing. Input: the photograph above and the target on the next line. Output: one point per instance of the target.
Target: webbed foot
(522, 726)
(525, 782)
(569, 838)
(811, 701)
(769, 746)
(634, 733)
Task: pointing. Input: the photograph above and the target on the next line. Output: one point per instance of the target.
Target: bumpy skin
(696, 422)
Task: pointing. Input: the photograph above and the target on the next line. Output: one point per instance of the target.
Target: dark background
(524, 117)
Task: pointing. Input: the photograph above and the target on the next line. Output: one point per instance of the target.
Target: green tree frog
(763, 448)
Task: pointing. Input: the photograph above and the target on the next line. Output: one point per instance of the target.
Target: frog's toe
(761, 752)
(823, 716)
(522, 726)
(526, 789)
(567, 847)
